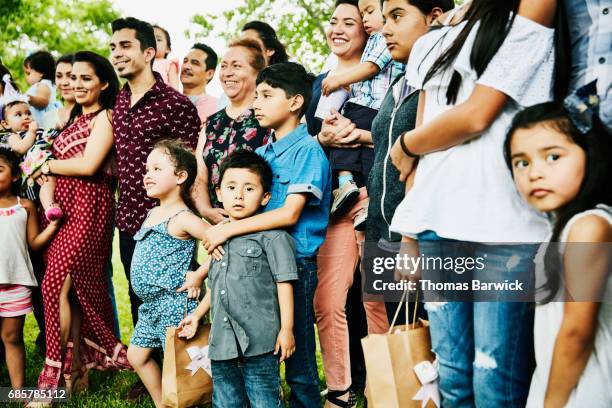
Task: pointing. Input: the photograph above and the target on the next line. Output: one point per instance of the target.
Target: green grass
(107, 389)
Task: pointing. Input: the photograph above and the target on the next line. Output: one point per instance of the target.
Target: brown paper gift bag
(390, 359)
(179, 387)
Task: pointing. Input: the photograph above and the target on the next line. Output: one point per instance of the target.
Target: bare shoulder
(590, 228)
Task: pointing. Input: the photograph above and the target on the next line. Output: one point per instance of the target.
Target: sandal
(333, 397)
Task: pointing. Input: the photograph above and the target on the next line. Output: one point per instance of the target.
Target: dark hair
(65, 59)
(183, 159)
(4, 71)
(11, 158)
(595, 187)
(350, 2)
(211, 55)
(167, 38)
(43, 62)
(9, 105)
(105, 73)
(267, 34)
(257, 60)
(292, 78)
(247, 159)
(496, 19)
(426, 6)
(144, 31)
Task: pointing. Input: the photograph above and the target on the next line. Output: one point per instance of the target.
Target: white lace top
(466, 192)
(593, 389)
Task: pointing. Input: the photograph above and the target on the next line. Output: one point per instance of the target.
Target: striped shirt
(371, 92)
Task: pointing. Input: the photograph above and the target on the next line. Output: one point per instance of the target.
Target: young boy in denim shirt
(251, 295)
(300, 203)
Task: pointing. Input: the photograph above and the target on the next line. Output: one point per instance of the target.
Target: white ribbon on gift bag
(199, 359)
(427, 373)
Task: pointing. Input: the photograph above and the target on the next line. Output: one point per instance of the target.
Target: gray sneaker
(344, 198)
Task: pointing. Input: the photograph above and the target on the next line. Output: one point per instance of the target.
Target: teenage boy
(251, 295)
(300, 202)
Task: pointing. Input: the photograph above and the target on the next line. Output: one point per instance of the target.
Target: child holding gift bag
(162, 257)
(560, 160)
(251, 295)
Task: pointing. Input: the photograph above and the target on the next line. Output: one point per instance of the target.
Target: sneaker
(344, 198)
(359, 221)
(54, 213)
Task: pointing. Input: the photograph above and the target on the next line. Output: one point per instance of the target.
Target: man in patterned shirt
(146, 111)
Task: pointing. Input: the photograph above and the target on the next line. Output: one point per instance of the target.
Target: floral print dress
(224, 136)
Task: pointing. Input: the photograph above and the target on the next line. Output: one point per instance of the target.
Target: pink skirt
(15, 300)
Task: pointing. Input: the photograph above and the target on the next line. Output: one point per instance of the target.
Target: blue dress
(159, 266)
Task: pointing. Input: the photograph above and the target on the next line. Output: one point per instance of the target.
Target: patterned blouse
(225, 135)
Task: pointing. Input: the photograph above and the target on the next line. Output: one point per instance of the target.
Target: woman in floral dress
(231, 129)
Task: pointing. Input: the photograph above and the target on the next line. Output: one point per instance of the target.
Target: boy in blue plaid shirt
(369, 82)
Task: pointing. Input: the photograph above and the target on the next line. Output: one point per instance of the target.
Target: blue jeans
(301, 369)
(484, 349)
(246, 381)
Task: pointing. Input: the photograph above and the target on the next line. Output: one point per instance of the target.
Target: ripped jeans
(484, 349)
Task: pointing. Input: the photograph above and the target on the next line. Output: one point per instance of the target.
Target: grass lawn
(107, 389)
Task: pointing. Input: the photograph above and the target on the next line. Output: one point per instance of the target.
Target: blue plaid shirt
(590, 27)
(371, 92)
(299, 165)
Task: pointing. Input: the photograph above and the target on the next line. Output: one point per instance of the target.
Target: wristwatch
(45, 168)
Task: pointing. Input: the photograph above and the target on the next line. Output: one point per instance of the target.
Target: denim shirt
(245, 313)
(299, 165)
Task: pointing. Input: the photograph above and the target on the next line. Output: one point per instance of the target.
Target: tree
(300, 25)
(59, 26)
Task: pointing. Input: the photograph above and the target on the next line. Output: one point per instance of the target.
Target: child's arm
(173, 78)
(574, 343)
(190, 323)
(21, 146)
(285, 342)
(37, 240)
(194, 279)
(361, 72)
(280, 218)
(41, 99)
(188, 225)
(99, 145)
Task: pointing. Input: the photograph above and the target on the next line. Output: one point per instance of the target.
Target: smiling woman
(77, 258)
(233, 128)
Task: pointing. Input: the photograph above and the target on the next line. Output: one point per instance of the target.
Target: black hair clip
(582, 105)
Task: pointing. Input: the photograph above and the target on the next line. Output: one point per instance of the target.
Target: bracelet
(407, 152)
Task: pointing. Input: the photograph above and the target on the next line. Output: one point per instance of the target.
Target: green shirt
(245, 313)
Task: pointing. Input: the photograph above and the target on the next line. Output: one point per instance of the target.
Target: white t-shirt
(593, 389)
(466, 192)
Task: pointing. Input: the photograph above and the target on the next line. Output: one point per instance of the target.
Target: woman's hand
(337, 131)
(404, 163)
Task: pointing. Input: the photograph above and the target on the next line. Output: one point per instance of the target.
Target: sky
(175, 16)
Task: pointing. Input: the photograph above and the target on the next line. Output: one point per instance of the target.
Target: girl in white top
(561, 166)
(473, 77)
(19, 226)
